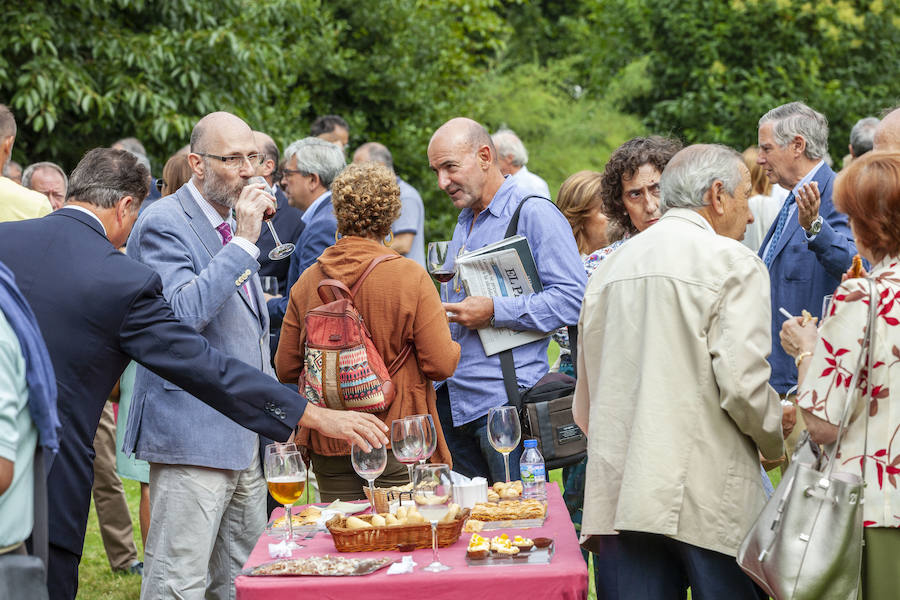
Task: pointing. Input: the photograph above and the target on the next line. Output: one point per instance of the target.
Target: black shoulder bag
(545, 410)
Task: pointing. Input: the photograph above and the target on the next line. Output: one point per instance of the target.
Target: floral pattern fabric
(824, 391)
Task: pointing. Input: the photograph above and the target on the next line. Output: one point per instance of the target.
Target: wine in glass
(440, 265)
(280, 250)
(504, 432)
(433, 494)
(369, 465)
(286, 478)
(427, 424)
(407, 442)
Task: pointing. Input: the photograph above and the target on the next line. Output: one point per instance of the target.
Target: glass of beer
(286, 478)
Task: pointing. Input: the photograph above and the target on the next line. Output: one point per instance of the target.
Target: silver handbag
(807, 541)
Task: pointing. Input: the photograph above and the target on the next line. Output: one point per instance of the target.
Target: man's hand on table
(362, 429)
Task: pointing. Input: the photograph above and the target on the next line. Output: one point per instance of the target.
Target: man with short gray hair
(809, 245)
(862, 136)
(310, 165)
(661, 509)
(408, 231)
(887, 134)
(512, 156)
(49, 179)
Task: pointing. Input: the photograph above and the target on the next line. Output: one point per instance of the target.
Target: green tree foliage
(564, 129)
(82, 74)
(716, 66)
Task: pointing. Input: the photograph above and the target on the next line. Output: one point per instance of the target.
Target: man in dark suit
(809, 245)
(287, 220)
(310, 165)
(97, 310)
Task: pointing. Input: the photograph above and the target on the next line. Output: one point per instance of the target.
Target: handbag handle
(865, 350)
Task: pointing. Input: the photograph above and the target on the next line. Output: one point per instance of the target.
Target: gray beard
(216, 190)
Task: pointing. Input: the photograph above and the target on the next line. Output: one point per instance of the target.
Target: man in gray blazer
(207, 492)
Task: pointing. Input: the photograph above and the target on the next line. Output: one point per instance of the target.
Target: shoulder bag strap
(39, 534)
(507, 365)
(337, 288)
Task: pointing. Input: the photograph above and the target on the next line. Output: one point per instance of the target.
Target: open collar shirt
(477, 384)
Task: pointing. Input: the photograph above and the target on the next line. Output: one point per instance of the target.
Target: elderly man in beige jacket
(673, 391)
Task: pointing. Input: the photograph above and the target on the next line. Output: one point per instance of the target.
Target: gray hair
(378, 153)
(508, 143)
(317, 157)
(862, 136)
(106, 175)
(132, 144)
(797, 119)
(29, 172)
(693, 171)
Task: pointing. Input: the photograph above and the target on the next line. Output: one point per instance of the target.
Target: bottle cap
(531, 443)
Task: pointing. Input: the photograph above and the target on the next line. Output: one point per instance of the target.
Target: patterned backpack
(343, 369)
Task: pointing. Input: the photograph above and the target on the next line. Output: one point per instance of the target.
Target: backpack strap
(372, 265)
(404, 353)
(338, 290)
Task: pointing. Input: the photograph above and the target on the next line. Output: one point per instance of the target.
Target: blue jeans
(473, 455)
(649, 566)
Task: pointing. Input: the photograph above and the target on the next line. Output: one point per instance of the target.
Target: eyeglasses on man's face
(236, 161)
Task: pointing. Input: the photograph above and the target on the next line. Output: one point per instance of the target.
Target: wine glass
(407, 442)
(269, 284)
(286, 478)
(369, 465)
(433, 494)
(280, 250)
(504, 432)
(440, 265)
(427, 424)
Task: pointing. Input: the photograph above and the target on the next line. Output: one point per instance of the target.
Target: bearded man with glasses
(207, 493)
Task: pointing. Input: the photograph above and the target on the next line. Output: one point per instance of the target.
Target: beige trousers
(109, 496)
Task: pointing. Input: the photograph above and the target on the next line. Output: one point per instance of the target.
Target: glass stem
(289, 532)
(434, 552)
(272, 231)
(506, 464)
(372, 493)
(409, 467)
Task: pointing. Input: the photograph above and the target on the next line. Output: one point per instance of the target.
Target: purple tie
(224, 230)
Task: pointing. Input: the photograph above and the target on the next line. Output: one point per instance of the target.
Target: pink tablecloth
(565, 577)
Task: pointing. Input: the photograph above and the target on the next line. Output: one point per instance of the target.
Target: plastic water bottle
(531, 468)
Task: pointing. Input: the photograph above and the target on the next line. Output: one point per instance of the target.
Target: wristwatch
(491, 322)
(815, 227)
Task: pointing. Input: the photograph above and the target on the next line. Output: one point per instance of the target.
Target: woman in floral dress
(869, 193)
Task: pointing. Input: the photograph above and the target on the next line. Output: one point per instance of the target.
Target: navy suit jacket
(97, 310)
(803, 272)
(288, 224)
(318, 234)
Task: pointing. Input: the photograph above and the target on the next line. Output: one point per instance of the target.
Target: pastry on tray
(522, 543)
(503, 546)
(479, 548)
(508, 510)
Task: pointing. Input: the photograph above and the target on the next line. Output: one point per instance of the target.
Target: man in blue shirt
(464, 159)
(408, 230)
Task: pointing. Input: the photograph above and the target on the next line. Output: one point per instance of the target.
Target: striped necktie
(779, 228)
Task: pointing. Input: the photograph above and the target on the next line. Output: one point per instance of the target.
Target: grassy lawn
(96, 580)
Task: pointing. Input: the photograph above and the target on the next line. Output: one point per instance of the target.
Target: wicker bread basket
(379, 539)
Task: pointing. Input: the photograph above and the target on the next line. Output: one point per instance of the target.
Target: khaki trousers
(109, 496)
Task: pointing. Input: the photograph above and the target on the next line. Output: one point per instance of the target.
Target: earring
(337, 236)
(389, 239)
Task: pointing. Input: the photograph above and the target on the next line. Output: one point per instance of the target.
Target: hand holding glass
(286, 478)
(280, 250)
(433, 494)
(369, 465)
(504, 432)
(440, 266)
(407, 442)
